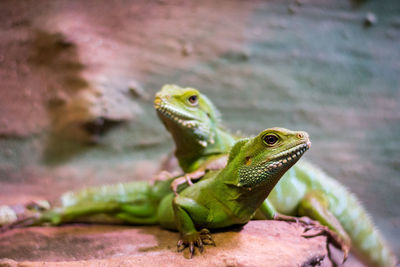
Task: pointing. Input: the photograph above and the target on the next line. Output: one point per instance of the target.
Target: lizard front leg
(187, 211)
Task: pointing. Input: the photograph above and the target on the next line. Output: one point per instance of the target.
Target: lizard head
(186, 111)
(263, 160)
(193, 121)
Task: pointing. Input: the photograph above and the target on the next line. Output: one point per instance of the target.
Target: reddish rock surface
(259, 243)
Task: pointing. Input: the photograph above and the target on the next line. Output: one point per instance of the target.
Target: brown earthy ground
(78, 77)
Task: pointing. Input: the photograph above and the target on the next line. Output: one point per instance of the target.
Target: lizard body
(225, 197)
(304, 190)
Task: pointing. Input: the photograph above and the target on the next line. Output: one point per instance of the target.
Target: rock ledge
(259, 243)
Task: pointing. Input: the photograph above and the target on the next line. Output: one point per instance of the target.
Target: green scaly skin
(303, 191)
(222, 198)
(198, 136)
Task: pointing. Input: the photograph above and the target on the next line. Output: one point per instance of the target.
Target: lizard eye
(193, 99)
(270, 139)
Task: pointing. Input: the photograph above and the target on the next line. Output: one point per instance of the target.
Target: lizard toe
(195, 240)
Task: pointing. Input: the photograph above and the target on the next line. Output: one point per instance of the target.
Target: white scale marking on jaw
(299, 148)
(291, 155)
(176, 115)
(172, 112)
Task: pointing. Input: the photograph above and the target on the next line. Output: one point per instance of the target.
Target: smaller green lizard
(229, 196)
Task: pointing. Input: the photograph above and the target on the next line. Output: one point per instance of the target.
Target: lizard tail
(129, 203)
(126, 192)
(367, 241)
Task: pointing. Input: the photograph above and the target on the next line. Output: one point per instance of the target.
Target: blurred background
(78, 80)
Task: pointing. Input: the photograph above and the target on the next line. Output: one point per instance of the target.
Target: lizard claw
(204, 231)
(200, 245)
(206, 237)
(180, 244)
(191, 249)
(194, 240)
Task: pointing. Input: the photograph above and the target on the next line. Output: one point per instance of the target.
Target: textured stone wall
(78, 77)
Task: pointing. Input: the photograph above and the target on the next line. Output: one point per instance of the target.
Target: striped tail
(128, 203)
(121, 192)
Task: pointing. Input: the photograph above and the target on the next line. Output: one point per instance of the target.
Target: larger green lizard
(304, 190)
(222, 198)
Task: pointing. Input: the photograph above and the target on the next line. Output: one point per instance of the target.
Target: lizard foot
(197, 239)
(309, 224)
(304, 221)
(20, 223)
(181, 180)
(333, 238)
(163, 175)
(186, 179)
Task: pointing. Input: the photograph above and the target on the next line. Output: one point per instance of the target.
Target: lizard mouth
(289, 156)
(178, 116)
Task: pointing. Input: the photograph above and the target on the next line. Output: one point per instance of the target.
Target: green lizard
(229, 196)
(304, 190)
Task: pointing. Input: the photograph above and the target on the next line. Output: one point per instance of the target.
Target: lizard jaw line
(179, 117)
(292, 154)
(280, 162)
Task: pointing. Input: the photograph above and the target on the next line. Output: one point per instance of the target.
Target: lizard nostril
(300, 135)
